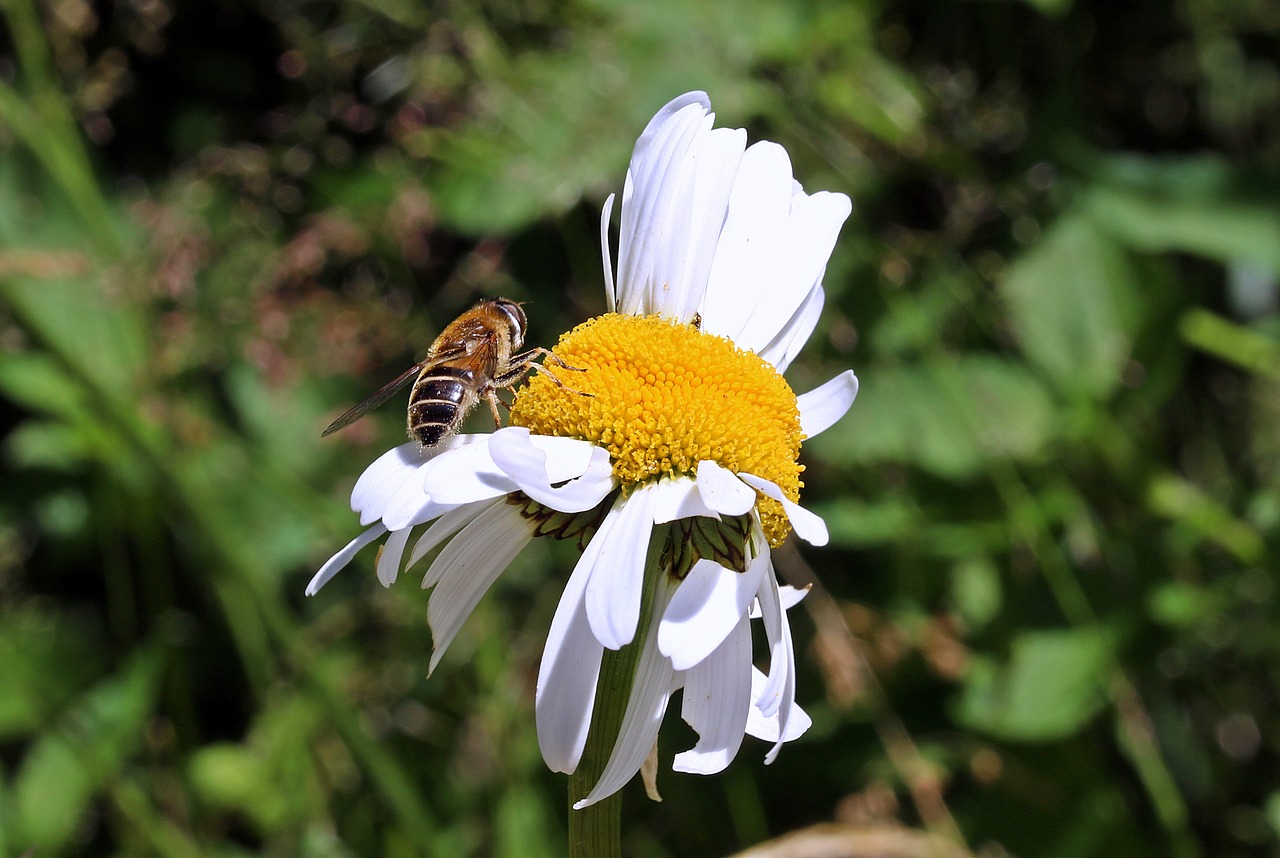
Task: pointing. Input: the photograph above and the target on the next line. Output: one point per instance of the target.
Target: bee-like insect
(474, 356)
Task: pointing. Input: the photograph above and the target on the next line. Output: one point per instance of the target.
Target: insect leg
(532, 354)
(493, 401)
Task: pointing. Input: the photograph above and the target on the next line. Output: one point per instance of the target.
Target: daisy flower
(678, 474)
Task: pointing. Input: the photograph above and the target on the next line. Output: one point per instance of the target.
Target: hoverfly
(475, 355)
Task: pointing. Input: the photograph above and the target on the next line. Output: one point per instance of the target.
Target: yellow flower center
(664, 397)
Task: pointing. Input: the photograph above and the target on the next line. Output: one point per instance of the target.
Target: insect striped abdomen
(441, 397)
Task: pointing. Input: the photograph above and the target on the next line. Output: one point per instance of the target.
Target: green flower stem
(596, 831)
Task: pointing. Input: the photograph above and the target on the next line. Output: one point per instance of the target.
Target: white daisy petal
(410, 505)
(389, 557)
(766, 728)
(808, 526)
(441, 529)
(470, 564)
(613, 593)
(717, 704)
(821, 407)
(778, 695)
(699, 201)
(384, 479)
(679, 497)
(338, 562)
(381, 480)
(771, 612)
(708, 604)
(466, 475)
(796, 265)
(722, 490)
(567, 678)
(784, 347)
(546, 459)
(650, 690)
(580, 494)
(645, 213)
(789, 597)
(758, 209)
(667, 229)
(536, 463)
(610, 297)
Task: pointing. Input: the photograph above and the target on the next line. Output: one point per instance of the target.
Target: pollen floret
(664, 397)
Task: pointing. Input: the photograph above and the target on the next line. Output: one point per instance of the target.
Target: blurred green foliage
(1048, 618)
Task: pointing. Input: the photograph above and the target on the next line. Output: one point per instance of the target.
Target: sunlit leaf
(1071, 302)
(1051, 685)
(947, 417)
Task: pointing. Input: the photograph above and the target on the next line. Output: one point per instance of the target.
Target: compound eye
(517, 317)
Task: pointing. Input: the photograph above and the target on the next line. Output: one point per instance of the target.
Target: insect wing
(351, 415)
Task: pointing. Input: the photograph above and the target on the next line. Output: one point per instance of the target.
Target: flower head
(678, 473)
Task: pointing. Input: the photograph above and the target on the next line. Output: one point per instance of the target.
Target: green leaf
(1052, 684)
(45, 659)
(62, 772)
(976, 591)
(1182, 605)
(1071, 299)
(948, 417)
(103, 338)
(1198, 205)
(1184, 502)
(1244, 347)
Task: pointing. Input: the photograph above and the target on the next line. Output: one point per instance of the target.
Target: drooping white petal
(679, 497)
(771, 612)
(567, 677)
(708, 604)
(470, 564)
(610, 296)
(613, 593)
(441, 529)
(778, 695)
(788, 596)
(717, 703)
(537, 463)
(651, 688)
(766, 728)
(338, 562)
(808, 526)
(821, 407)
(389, 558)
(784, 347)
(722, 490)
